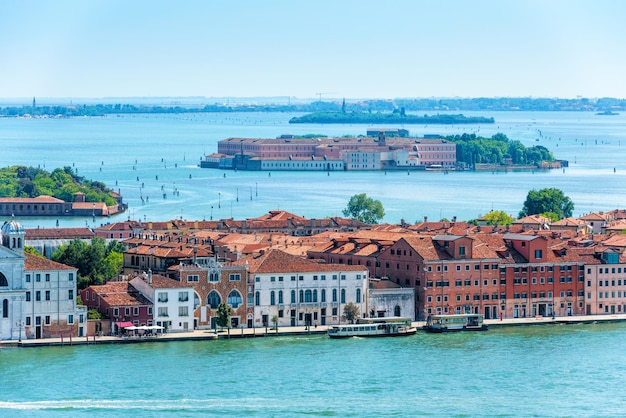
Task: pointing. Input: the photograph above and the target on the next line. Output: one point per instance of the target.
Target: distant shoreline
(388, 118)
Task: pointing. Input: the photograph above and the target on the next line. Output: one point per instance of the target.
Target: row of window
(47, 295)
(182, 297)
(301, 278)
(306, 296)
(214, 277)
(46, 277)
(47, 320)
(116, 311)
(502, 296)
(182, 311)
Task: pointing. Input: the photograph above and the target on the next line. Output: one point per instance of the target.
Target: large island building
(332, 154)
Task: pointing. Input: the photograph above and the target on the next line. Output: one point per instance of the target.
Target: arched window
(293, 296)
(272, 298)
(3, 281)
(396, 311)
(323, 295)
(315, 295)
(308, 297)
(334, 295)
(280, 296)
(301, 296)
(343, 295)
(5, 308)
(358, 296)
(234, 299)
(213, 299)
(257, 298)
(196, 300)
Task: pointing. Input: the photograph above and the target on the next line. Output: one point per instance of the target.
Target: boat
(459, 322)
(374, 327)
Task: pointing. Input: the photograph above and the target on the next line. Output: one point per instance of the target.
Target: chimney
(150, 277)
(425, 218)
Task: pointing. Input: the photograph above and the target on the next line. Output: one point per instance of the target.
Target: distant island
(394, 117)
(62, 108)
(607, 113)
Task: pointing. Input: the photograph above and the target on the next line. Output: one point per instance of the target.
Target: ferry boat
(459, 322)
(374, 327)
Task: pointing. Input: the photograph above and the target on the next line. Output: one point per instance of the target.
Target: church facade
(37, 295)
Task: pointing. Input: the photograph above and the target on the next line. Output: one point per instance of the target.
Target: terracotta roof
(119, 294)
(276, 261)
(38, 199)
(384, 284)
(162, 282)
(58, 233)
(35, 262)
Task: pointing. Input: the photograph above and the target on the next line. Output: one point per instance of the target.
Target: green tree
(31, 250)
(547, 200)
(93, 314)
(96, 262)
(498, 217)
(275, 322)
(223, 315)
(364, 209)
(350, 312)
(550, 215)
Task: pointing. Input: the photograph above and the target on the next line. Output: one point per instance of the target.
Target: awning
(124, 324)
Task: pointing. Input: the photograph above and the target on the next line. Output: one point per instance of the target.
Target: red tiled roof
(276, 261)
(38, 199)
(35, 262)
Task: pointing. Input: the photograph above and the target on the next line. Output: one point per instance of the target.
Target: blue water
(170, 147)
(568, 370)
(575, 370)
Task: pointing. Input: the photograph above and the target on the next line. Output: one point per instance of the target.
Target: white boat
(374, 327)
(459, 322)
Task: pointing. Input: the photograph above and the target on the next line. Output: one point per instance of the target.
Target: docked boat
(374, 327)
(459, 322)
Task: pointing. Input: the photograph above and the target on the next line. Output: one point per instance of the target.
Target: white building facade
(37, 295)
(173, 301)
(300, 292)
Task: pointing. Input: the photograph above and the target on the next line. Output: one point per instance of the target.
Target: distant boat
(434, 167)
(607, 113)
(459, 322)
(374, 327)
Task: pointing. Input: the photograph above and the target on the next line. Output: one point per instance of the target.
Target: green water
(566, 370)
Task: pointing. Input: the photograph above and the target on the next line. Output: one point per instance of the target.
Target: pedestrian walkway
(199, 335)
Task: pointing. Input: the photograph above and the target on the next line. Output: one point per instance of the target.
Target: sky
(312, 49)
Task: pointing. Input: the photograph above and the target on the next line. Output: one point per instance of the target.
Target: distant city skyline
(324, 49)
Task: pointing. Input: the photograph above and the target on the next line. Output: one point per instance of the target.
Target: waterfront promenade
(200, 335)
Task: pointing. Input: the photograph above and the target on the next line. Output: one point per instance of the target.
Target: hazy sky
(352, 48)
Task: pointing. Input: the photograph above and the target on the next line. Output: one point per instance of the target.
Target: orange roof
(35, 262)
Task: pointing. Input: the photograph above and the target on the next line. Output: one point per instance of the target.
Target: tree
(365, 209)
(498, 217)
(96, 262)
(547, 200)
(275, 322)
(223, 315)
(351, 312)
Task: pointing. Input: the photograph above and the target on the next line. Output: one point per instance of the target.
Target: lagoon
(568, 370)
(549, 370)
(151, 155)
